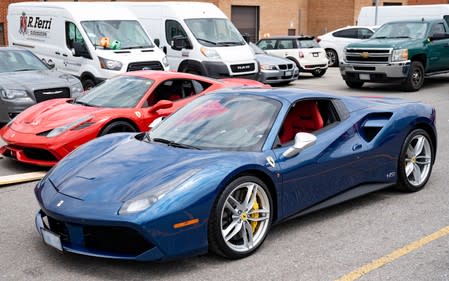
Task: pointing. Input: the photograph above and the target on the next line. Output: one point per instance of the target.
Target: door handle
(58, 53)
(356, 147)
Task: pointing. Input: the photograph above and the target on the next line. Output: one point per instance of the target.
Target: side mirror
(246, 37)
(439, 36)
(162, 104)
(302, 141)
(157, 42)
(179, 42)
(50, 64)
(156, 122)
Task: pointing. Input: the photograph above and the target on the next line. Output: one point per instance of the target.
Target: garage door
(246, 19)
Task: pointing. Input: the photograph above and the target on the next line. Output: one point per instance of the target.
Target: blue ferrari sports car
(219, 172)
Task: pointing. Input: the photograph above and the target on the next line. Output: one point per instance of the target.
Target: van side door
(75, 51)
(176, 56)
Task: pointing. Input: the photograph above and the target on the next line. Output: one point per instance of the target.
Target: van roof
(81, 10)
(182, 10)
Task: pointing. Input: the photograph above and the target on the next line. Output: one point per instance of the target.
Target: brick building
(277, 17)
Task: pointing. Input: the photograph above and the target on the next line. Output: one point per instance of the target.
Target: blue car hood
(131, 167)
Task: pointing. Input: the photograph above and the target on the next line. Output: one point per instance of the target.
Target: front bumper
(390, 72)
(278, 76)
(40, 150)
(11, 108)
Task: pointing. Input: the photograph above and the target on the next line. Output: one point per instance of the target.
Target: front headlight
(147, 199)
(59, 130)
(13, 94)
(110, 64)
(399, 55)
(210, 53)
(165, 61)
(267, 67)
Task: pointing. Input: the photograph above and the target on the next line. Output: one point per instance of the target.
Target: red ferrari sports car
(46, 132)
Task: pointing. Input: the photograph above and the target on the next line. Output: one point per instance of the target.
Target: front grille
(113, 239)
(365, 68)
(48, 94)
(285, 66)
(39, 154)
(315, 65)
(245, 67)
(368, 55)
(145, 65)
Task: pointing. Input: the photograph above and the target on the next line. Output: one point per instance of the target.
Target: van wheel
(354, 84)
(88, 84)
(192, 70)
(415, 78)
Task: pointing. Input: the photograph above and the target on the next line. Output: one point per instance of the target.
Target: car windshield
(117, 34)
(256, 49)
(412, 30)
(215, 32)
(221, 121)
(18, 60)
(121, 91)
(308, 43)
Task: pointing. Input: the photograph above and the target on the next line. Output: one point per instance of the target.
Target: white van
(367, 15)
(93, 41)
(197, 38)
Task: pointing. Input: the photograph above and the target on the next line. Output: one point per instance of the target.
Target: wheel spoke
(423, 160)
(231, 208)
(247, 234)
(235, 226)
(237, 203)
(419, 145)
(410, 152)
(416, 173)
(258, 211)
(408, 168)
(252, 188)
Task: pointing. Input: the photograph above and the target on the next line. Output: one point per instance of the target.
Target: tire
(236, 228)
(192, 69)
(319, 72)
(354, 84)
(88, 84)
(117, 127)
(416, 161)
(415, 78)
(332, 57)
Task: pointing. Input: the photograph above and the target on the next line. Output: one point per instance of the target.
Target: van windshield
(117, 34)
(215, 32)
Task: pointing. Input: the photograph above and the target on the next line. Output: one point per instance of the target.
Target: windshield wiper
(25, 69)
(136, 47)
(207, 41)
(174, 144)
(81, 102)
(230, 43)
(380, 37)
(403, 36)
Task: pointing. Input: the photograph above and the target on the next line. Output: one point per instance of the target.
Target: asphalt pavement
(386, 235)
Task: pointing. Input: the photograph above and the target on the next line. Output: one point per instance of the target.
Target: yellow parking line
(18, 178)
(359, 272)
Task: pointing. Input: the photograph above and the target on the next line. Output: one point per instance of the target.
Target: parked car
(46, 132)
(219, 172)
(303, 50)
(25, 80)
(335, 41)
(273, 69)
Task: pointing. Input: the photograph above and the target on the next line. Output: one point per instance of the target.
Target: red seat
(304, 117)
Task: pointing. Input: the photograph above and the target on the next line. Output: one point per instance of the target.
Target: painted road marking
(18, 178)
(359, 272)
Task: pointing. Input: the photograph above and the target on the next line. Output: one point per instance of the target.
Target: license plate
(364, 77)
(315, 54)
(288, 73)
(51, 239)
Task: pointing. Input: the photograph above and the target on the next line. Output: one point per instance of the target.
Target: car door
(330, 166)
(175, 56)
(438, 49)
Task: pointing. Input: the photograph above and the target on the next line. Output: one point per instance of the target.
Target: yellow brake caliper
(255, 215)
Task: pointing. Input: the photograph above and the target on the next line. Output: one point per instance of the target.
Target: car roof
(286, 94)
(158, 75)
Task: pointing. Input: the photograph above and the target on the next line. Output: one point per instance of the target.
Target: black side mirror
(157, 42)
(80, 50)
(439, 36)
(179, 42)
(246, 37)
(50, 64)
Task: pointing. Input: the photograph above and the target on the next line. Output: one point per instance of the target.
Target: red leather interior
(304, 117)
(174, 97)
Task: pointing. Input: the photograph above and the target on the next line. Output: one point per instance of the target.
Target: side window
(346, 33)
(307, 116)
(285, 44)
(176, 89)
(364, 33)
(437, 28)
(446, 18)
(72, 35)
(266, 44)
(172, 29)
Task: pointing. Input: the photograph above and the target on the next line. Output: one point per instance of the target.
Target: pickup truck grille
(146, 65)
(356, 55)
